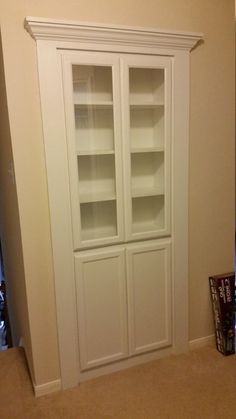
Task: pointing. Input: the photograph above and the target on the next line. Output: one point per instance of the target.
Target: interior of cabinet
(146, 85)
(147, 173)
(98, 220)
(94, 129)
(92, 84)
(148, 213)
(96, 177)
(146, 127)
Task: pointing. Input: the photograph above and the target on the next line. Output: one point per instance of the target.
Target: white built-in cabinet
(118, 110)
(115, 106)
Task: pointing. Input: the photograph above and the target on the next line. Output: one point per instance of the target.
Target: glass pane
(93, 100)
(148, 214)
(94, 136)
(146, 85)
(94, 129)
(147, 173)
(147, 146)
(92, 83)
(96, 177)
(98, 220)
(147, 128)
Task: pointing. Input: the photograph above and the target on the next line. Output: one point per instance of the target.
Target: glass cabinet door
(94, 150)
(147, 146)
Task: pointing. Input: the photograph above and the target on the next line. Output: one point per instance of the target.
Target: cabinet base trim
(124, 364)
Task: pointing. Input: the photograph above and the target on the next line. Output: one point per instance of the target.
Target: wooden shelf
(142, 192)
(147, 150)
(96, 197)
(99, 233)
(94, 152)
(145, 226)
(146, 105)
(100, 104)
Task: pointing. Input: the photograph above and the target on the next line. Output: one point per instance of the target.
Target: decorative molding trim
(54, 386)
(201, 342)
(82, 32)
(47, 388)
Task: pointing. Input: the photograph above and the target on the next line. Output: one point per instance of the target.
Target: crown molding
(94, 33)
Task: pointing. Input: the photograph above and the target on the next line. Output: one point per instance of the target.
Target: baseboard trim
(54, 386)
(47, 388)
(201, 342)
(21, 342)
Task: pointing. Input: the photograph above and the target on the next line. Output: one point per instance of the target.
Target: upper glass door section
(95, 150)
(118, 119)
(147, 146)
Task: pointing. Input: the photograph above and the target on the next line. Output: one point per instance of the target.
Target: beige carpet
(198, 385)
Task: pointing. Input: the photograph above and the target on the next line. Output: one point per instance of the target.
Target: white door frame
(53, 36)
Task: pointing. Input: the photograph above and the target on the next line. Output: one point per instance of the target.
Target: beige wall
(211, 215)
(10, 232)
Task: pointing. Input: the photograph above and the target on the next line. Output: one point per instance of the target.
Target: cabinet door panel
(149, 296)
(146, 115)
(92, 109)
(102, 312)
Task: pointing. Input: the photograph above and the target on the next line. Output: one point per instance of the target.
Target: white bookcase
(115, 118)
(118, 119)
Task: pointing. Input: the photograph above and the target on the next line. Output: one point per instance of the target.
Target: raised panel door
(149, 296)
(102, 306)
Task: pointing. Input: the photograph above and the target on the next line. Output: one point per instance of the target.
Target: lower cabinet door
(149, 296)
(101, 306)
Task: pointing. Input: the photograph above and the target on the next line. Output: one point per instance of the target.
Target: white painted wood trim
(94, 33)
(50, 80)
(47, 388)
(180, 165)
(54, 386)
(201, 342)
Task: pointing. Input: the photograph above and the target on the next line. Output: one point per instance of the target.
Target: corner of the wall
(42, 389)
(201, 342)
